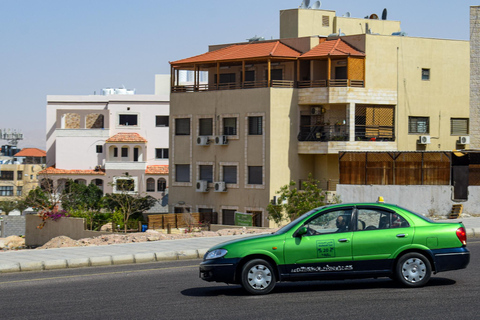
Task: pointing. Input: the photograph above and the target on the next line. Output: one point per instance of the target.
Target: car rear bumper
(219, 270)
(451, 259)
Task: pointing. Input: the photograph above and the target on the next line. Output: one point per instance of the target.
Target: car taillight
(462, 235)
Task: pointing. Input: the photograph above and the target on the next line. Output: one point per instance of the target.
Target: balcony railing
(374, 133)
(331, 83)
(323, 133)
(273, 84)
(234, 85)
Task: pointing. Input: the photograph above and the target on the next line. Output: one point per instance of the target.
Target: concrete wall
(425, 200)
(12, 226)
(70, 227)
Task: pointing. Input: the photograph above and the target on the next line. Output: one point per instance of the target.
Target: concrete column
(474, 77)
(351, 121)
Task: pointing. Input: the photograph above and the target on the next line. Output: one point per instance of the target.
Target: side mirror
(301, 231)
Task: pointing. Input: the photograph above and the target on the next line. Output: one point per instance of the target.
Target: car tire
(258, 277)
(413, 270)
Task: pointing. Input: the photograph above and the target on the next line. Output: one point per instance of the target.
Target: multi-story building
(102, 139)
(19, 172)
(275, 111)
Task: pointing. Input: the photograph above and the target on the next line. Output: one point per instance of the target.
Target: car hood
(243, 239)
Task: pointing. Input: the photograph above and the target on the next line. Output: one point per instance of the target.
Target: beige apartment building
(274, 111)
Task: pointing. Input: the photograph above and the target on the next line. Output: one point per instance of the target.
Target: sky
(78, 47)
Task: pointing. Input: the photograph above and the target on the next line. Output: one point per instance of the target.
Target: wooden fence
(177, 220)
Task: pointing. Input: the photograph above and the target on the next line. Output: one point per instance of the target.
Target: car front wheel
(258, 277)
(413, 270)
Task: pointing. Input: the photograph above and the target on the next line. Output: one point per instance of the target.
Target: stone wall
(474, 77)
(426, 200)
(12, 226)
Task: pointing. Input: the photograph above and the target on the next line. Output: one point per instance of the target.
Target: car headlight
(214, 254)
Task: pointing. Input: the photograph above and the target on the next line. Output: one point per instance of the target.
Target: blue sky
(77, 47)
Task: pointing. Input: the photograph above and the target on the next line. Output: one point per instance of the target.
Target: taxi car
(342, 241)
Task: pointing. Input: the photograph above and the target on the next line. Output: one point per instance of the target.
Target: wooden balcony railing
(331, 83)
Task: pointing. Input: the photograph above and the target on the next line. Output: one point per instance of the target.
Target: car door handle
(343, 240)
(401, 235)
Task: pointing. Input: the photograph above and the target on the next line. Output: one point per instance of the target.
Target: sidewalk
(76, 257)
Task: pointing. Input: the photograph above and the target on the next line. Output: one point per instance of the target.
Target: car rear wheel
(258, 277)
(413, 270)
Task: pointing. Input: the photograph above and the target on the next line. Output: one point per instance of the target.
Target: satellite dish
(347, 14)
(317, 5)
(373, 16)
(384, 14)
(305, 4)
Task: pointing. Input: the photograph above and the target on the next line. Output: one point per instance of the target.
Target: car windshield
(289, 226)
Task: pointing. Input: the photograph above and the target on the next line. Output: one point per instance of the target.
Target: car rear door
(380, 233)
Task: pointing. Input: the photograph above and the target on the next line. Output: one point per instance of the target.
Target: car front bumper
(219, 270)
(451, 259)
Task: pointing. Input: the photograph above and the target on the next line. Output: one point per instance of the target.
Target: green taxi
(364, 240)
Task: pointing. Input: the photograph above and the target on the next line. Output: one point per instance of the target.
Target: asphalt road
(172, 290)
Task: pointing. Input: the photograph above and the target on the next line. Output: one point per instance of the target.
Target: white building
(103, 138)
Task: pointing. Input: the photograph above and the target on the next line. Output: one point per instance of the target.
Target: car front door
(325, 247)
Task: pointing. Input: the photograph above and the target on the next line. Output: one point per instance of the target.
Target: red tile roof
(31, 152)
(333, 48)
(52, 170)
(157, 169)
(126, 137)
(243, 51)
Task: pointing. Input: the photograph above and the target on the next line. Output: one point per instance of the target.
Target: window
(6, 191)
(206, 173)
(205, 126)
(230, 174)
(418, 125)
(182, 173)
(115, 152)
(230, 126)
(329, 222)
(161, 153)
(425, 74)
(6, 175)
(124, 152)
(182, 126)
(325, 21)
(369, 219)
(99, 149)
(228, 217)
(128, 120)
(161, 121)
(459, 126)
(225, 78)
(255, 125)
(19, 191)
(19, 175)
(126, 185)
(161, 185)
(150, 185)
(255, 175)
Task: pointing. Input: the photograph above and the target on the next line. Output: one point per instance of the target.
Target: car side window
(371, 219)
(329, 222)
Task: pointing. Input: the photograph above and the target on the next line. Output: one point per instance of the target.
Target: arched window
(161, 184)
(150, 185)
(81, 181)
(46, 185)
(98, 183)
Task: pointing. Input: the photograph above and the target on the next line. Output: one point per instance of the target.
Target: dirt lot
(15, 243)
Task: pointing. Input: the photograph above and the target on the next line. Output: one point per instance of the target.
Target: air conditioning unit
(220, 186)
(316, 110)
(201, 186)
(424, 140)
(203, 141)
(221, 140)
(464, 140)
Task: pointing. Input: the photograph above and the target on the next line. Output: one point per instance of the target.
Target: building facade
(105, 139)
(275, 111)
(19, 173)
